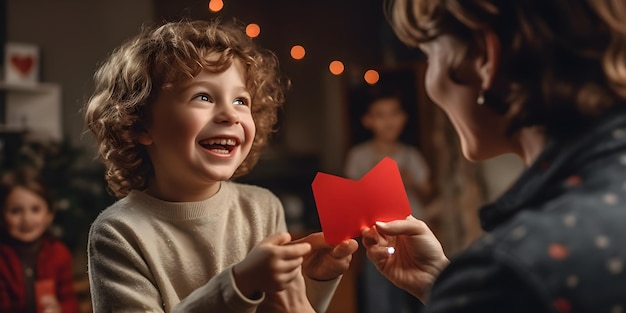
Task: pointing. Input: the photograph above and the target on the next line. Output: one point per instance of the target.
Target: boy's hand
(292, 299)
(326, 262)
(270, 266)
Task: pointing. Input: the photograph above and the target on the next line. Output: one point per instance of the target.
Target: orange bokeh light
(336, 67)
(216, 5)
(297, 52)
(371, 77)
(253, 30)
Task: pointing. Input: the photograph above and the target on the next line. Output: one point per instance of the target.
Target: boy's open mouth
(219, 145)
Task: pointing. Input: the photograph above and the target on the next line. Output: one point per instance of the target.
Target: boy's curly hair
(129, 81)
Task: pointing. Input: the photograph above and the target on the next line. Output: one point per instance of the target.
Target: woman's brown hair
(562, 61)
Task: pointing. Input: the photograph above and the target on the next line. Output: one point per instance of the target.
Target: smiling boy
(177, 112)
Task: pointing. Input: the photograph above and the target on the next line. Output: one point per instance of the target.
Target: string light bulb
(253, 30)
(336, 67)
(371, 77)
(297, 52)
(216, 5)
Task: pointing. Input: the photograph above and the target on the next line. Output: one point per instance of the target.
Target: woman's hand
(326, 262)
(418, 257)
(270, 266)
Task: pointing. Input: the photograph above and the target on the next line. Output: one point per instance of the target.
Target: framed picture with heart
(21, 63)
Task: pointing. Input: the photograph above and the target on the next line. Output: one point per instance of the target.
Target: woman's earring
(481, 98)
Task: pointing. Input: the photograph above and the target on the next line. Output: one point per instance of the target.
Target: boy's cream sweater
(148, 255)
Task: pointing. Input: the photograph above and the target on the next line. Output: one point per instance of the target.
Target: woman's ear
(488, 65)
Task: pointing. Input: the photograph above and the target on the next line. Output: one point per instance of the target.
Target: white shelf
(34, 108)
(27, 88)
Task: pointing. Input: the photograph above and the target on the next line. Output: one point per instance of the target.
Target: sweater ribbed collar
(183, 210)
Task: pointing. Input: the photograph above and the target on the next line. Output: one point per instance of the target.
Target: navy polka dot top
(555, 241)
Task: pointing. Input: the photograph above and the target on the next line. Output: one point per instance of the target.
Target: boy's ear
(143, 137)
(487, 65)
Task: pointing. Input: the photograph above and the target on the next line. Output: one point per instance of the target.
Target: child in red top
(35, 269)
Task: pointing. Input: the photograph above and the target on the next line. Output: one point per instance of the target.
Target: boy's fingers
(295, 250)
(279, 238)
(283, 246)
(291, 264)
(345, 248)
(316, 240)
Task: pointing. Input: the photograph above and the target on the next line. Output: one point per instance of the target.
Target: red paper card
(346, 206)
(44, 288)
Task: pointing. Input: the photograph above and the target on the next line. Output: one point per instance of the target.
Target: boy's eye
(241, 101)
(202, 98)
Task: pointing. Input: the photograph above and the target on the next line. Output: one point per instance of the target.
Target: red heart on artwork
(346, 206)
(23, 64)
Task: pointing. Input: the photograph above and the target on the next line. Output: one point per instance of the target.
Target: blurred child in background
(386, 119)
(35, 269)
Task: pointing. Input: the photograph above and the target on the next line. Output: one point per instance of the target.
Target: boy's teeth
(220, 151)
(223, 142)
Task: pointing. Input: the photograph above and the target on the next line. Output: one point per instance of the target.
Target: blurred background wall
(314, 132)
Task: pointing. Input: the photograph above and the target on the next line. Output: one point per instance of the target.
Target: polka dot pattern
(602, 242)
(557, 251)
(573, 180)
(610, 199)
(572, 281)
(518, 233)
(615, 266)
(562, 224)
(570, 220)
